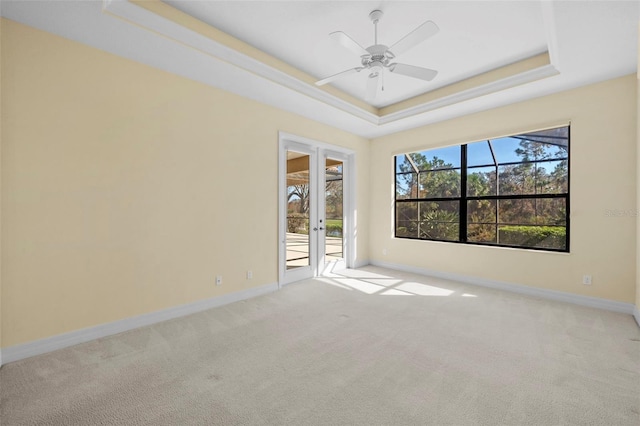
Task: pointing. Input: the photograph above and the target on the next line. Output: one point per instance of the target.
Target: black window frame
(463, 199)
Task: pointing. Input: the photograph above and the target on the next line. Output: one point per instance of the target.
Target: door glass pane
(333, 210)
(297, 210)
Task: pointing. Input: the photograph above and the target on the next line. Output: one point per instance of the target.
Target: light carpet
(372, 347)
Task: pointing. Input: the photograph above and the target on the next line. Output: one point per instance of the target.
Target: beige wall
(603, 167)
(1, 192)
(127, 189)
(638, 178)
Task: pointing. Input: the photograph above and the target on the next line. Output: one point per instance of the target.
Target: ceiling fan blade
(415, 37)
(348, 43)
(413, 71)
(372, 85)
(337, 76)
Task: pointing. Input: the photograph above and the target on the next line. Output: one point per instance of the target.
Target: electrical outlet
(586, 279)
(384, 251)
(249, 274)
(218, 279)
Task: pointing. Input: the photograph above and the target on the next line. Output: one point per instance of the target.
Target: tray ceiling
(474, 37)
(488, 53)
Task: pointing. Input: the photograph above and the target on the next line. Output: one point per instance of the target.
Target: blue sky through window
(479, 154)
(504, 149)
(450, 155)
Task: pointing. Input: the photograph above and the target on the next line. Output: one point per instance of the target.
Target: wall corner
(1, 184)
(636, 313)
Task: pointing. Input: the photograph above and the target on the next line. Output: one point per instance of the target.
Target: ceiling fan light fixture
(377, 57)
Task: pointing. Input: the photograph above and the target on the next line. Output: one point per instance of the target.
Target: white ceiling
(474, 37)
(588, 41)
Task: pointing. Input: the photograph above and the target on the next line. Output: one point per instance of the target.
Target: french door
(314, 209)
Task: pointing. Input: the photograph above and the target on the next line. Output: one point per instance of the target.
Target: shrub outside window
(509, 191)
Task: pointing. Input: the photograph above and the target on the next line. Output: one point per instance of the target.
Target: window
(510, 191)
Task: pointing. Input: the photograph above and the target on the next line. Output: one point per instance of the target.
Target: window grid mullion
(463, 195)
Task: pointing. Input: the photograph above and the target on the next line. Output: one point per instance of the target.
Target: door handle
(321, 228)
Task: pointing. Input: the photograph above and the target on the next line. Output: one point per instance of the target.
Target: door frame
(320, 151)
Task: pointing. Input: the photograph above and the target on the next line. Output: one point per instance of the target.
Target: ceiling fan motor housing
(378, 53)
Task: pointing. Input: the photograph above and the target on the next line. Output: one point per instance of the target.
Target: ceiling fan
(377, 57)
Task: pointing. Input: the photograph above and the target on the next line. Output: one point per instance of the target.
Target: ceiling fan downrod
(375, 17)
(378, 58)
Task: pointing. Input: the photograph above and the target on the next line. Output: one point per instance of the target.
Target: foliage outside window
(510, 191)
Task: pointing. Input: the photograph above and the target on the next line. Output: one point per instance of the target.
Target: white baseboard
(594, 302)
(360, 263)
(636, 314)
(38, 347)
